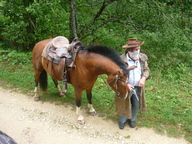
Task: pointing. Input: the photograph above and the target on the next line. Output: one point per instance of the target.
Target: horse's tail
(43, 80)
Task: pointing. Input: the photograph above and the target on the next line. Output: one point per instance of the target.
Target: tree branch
(104, 5)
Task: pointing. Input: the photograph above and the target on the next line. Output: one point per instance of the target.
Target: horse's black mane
(106, 51)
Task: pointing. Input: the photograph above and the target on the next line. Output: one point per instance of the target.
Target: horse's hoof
(63, 95)
(64, 91)
(36, 99)
(93, 113)
(81, 122)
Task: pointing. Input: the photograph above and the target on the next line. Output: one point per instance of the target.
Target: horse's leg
(37, 76)
(78, 94)
(58, 87)
(89, 98)
(64, 88)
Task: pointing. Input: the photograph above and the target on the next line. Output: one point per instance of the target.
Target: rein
(115, 84)
(112, 103)
(109, 87)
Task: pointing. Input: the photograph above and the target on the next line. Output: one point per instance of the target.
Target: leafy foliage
(13, 57)
(27, 22)
(97, 21)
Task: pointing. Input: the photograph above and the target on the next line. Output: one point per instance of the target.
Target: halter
(115, 84)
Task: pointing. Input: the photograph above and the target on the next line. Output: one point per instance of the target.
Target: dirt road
(30, 122)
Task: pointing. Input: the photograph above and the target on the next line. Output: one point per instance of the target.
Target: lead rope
(112, 103)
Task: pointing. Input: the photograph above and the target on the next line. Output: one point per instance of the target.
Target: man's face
(134, 49)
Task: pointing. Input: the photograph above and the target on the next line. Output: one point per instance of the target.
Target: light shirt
(135, 74)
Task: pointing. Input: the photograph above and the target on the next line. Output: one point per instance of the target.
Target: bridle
(115, 84)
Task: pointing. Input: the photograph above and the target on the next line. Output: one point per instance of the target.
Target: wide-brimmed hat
(60, 41)
(132, 43)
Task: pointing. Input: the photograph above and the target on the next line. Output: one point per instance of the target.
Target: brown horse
(89, 63)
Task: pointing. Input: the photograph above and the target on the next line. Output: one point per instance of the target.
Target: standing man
(128, 108)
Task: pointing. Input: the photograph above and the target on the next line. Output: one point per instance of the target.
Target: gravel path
(30, 122)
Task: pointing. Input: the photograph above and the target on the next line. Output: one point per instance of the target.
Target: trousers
(134, 106)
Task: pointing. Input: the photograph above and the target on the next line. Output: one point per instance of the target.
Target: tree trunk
(73, 20)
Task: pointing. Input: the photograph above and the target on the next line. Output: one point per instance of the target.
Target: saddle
(59, 49)
(55, 54)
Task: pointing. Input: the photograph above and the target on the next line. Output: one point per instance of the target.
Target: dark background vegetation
(164, 25)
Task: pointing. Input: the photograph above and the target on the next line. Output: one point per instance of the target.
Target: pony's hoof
(81, 122)
(93, 113)
(63, 95)
(36, 99)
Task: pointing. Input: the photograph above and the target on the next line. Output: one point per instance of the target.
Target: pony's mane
(107, 52)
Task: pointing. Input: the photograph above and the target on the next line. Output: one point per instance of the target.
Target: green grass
(169, 102)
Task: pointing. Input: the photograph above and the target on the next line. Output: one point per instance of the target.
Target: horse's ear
(121, 70)
(131, 67)
(75, 39)
(126, 71)
(74, 45)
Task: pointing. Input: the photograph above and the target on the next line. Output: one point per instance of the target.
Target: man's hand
(130, 87)
(142, 82)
